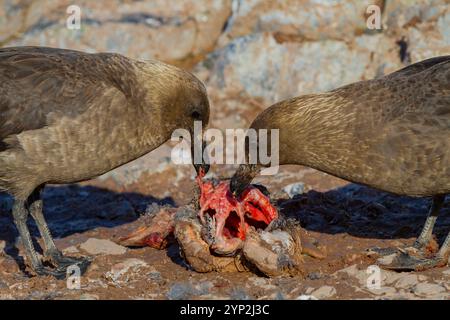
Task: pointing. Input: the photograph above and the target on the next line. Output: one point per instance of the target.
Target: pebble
(101, 246)
(181, 291)
(324, 292)
(294, 189)
(383, 291)
(314, 276)
(306, 297)
(120, 269)
(239, 294)
(70, 250)
(428, 289)
(89, 296)
(407, 281)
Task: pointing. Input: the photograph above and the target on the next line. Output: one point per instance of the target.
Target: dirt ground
(345, 219)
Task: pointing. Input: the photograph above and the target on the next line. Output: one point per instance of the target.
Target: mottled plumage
(68, 116)
(390, 133)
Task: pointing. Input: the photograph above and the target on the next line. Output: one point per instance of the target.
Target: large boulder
(168, 30)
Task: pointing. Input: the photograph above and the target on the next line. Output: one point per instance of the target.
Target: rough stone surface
(294, 189)
(102, 246)
(259, 66)
(428, 289)
(324, 292)
(119, 270)
(165, 30)
(304, 19)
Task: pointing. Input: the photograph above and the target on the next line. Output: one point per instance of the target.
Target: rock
(185, 290)
(383, 291)
(89, 296)
(407, 281)
(257, 65)
(70, 250)
(324, 292)
(298, 20)
(294, 189)
(101, 246)
(353, 271)
(427, 289)
(3, 285)
(119, 271)
(401, 14)
(306, 297)
(177, 31)
(239, 294)
(314, 276)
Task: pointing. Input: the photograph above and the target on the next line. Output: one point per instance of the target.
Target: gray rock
(181, 291)
(71, 249)
(407, 281)
(324, 292)
(239, 294)
(427, 289)
(294, 189)
(89, 296)
(101, 246)
(306, 297)
(119, 270)
(383, 291)
(185, 290)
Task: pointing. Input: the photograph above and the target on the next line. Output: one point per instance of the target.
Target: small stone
(154, 275)
(309, 290)
(101, 246)
(89, 296)
(239, 294)
(314, 276)
(294, 189)
(383, 291)
(120, 269)
(3, 285)
(70, 250)
(407, 281)
(428, 289)
(181, 291)
(324, 292)
(306, 297)
(353, 271)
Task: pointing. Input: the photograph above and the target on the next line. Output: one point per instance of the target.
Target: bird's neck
(320, 134)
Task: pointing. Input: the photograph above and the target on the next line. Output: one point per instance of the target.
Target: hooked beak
(204, 165)
(242, 178)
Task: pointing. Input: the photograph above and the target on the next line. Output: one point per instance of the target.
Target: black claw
(384, 251)
(405, 262)
(56, 273)
(61, 261)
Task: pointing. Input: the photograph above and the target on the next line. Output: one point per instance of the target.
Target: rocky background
(250, 54)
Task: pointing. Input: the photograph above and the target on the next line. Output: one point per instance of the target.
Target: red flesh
(233, 216)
